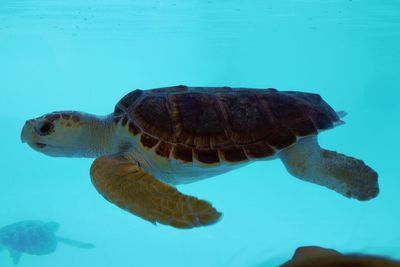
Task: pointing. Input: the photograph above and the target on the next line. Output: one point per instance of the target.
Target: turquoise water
(85, 55)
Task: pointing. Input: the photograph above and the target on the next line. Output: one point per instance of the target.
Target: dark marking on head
(234, 154)
(163, 149)
(148, 141)
(52, 117)
(74, 116)
(46, 128)
(208, 156)
(183, 153)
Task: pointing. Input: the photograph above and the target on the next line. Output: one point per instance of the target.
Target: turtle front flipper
(15, 256)
(346, 175)
(124, 183)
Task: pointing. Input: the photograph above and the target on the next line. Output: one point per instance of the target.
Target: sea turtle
(159, 138)
(313, 256)
(33, 237)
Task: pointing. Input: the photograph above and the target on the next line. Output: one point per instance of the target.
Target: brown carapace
(222, 124)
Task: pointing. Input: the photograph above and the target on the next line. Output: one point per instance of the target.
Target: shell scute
(124, 121)
(246, 121)
(152, 115)
(148, 141)
(116, 120)
(209, 156)
(164, 149)
(233, 154)
(199, 120)
(260, 149)
(283, 107)
(127, 101)
(322, 121)
(133, 129)
(183, 153)
(303, 127)
(280, 137)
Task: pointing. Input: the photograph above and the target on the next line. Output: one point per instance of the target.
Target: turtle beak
(26, 134)
(29, 135)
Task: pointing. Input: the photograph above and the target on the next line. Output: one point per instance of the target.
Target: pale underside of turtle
(33, 237)
(159, 138)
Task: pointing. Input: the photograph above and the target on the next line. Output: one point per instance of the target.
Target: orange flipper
(124, 183)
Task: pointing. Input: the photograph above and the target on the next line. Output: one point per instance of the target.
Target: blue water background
(85, 55)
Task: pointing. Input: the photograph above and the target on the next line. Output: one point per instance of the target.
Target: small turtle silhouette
(33, 237)
(159, 138)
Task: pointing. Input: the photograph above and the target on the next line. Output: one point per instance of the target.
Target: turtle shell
(222, 123)
(32, 237)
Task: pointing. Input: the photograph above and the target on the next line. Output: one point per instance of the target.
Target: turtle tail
(341, 113)
(75, 243)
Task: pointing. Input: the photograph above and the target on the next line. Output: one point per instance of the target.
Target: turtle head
(58, 134)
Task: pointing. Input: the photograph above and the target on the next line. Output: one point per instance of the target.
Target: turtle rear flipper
(74, 243)
(127, 185)
(15, 256)
(346, 175)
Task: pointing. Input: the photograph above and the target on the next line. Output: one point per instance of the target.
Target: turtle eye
(46, 128)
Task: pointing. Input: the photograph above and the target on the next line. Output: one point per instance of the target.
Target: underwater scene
(218, 133)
